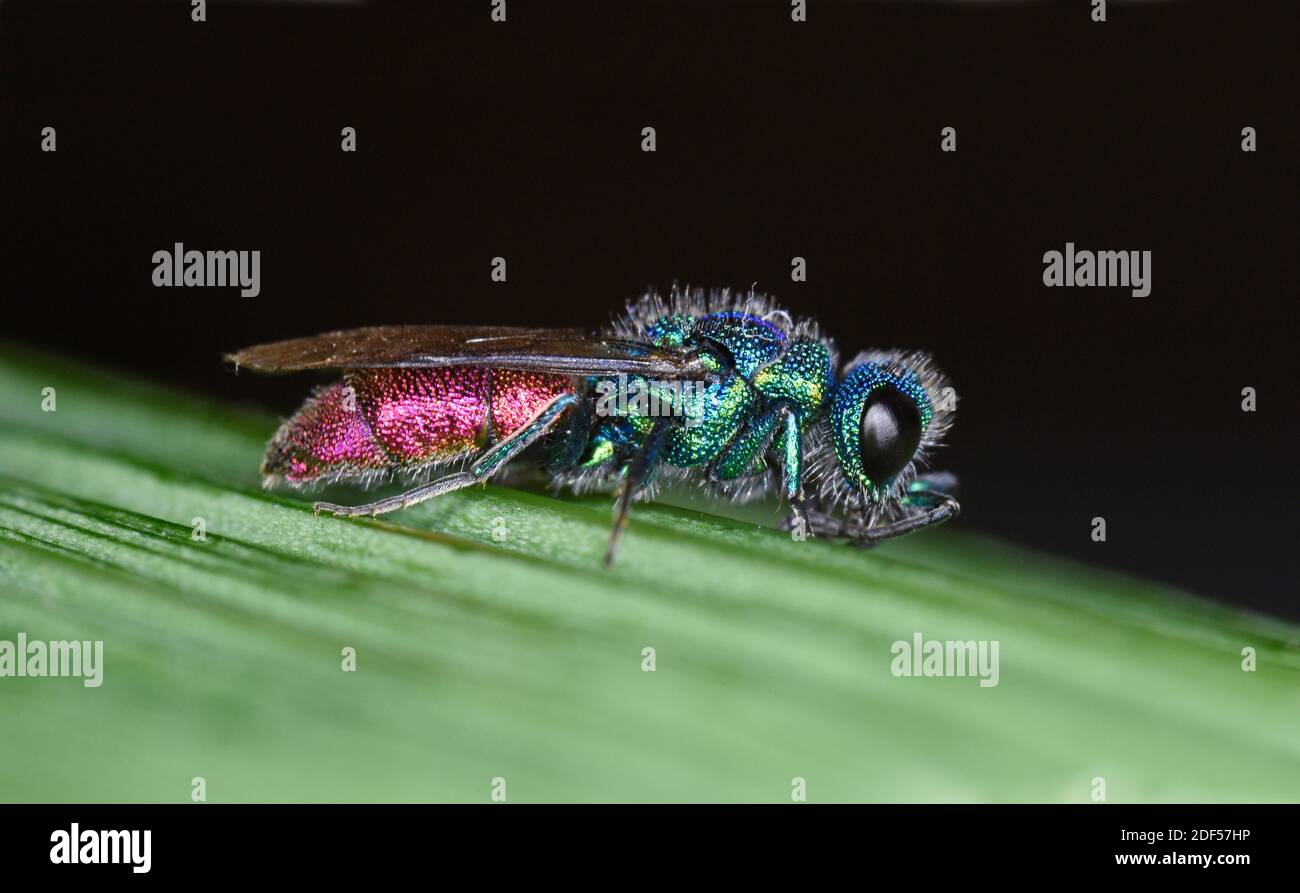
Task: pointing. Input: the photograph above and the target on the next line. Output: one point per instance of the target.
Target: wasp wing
(563, 351)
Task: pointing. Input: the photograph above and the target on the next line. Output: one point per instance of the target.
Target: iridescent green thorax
(758, 366)
(751, 342)
(671, 331)
(716, 415)
(710, 414)
(802, 376)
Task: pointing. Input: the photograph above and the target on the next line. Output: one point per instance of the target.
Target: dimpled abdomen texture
(518, 396)
(425, 415)
(378, 420)
(327, 436)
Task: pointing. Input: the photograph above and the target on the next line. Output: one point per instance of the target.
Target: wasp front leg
(934, 507)
(776, 429)
(813, 522)
(932, 496)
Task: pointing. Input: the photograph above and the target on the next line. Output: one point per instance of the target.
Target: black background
(775, 139)
(337, 844)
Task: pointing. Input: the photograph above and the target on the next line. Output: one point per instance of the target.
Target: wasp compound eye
(879, 415)
(891, 432)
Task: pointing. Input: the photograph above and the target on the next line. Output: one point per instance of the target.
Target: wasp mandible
(731, 394)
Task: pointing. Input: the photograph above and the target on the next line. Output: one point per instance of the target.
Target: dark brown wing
(564, 351)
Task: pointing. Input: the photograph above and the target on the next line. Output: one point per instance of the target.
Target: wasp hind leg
(486, 465)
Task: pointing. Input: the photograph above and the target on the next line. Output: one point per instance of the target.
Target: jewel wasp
(728, 392)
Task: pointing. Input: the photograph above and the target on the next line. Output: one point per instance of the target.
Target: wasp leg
(816, 522)
(643, 462)
(775, 431)
(932, 493)
(792, 468)
(483, 468)
(938, 507)
(746, 450)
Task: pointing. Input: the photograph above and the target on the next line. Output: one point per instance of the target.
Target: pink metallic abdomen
(403, 419)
